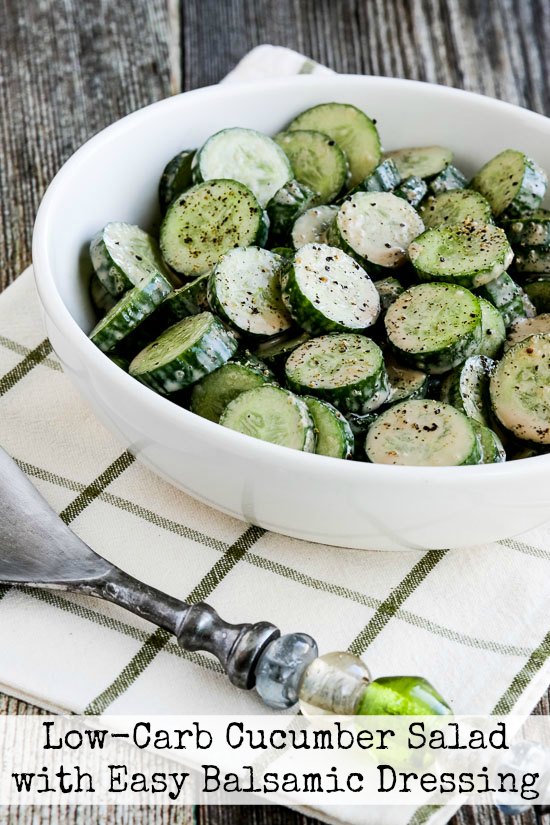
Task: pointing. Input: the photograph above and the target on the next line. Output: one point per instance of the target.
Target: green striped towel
(475, 623)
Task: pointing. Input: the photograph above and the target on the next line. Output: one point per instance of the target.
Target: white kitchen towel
(475, 622)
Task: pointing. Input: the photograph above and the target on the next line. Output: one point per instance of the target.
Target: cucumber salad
(310, 290)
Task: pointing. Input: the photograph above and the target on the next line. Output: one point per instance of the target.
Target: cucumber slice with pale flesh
(448, 180)
(176, 178)
(493, 331)
(467, 388)
(523, 328)
(285, 207)
(124, 256)
(538, 292)
(207, 221)
(132, 310)
(353, 131)
(520, 390)
(512, 183)
(317, 161)
(244, 289)
(434, 327)
(184, 353)
(509, 298)
(455, 207)
(327, 291)
(311, 227)
(388, 289)
(422, 433)
(345, 369)
(187, 300)
(212, 394)
(247, 156)
(102, 300)
(421, 161)
(470, 254)
(272, 414)
(490, 445)
(405, 383)
(280, 346)
(376, 228)
(334, 433)
(532, 261)
(532, 229)
(413, 190)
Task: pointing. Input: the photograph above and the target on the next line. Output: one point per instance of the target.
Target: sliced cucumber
(312, 225)
(124, 256)
(212, 394)
(525, 327)
(470, 254)
(423, 433)
(491, 448)
(520, 390)
(285, 207)
(102, 300)
(413, 190)
(120, 362)
(272, 414)
(132, 309)
(278, 348)
(284, 251)
(334, 434)
(434, 326)
(244, 289)
(327, 291)
(207, 221)
(184, 353)
(187, 300)
(359, 425)
(512, 183)
(467, 388)
(448, 180)
(382, 179)
(532, 229)
(176, 178)
(376, 228)
(344, 368)
(405, 383)
(534, 260)
(421, 161)
(353, 131)
(247, 156)
(493, 331)
(388, 289)
(538, 293)
(318, 162)
(509, 298)
(455, 207)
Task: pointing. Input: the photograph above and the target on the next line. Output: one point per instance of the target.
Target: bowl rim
(162, 407)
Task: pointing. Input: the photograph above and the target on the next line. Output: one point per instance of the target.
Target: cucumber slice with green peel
(455, 207)
(491, 447)
(388, 289)
(285, 207)
(493, 331)
(353, 131)
(538, 293)
(184, 353)
(532, 229)
(102, 300)
(534, 260)
(423, 433)
(211, 395)
(245, 290)
(448, 180)
(247, 156)
(509, 298)
(334, 436)
(207, 221)
(360, 424)
(382, 179)
(467, 388)
(327, 291)
(345, 369)
(311, 227)
(131, 311)
(278, 348)
(421, 161)
(176, 178)
(405, 383)
(187, 300)
(512, 183)
(376, 228)
(413, 190)
(470, 254)
(272, 414)
(520, 390)
(317, 160)
(284, 251)
(523, 328)
(124, 256)
(434, 327)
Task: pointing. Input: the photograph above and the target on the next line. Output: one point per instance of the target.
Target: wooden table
(70, 67)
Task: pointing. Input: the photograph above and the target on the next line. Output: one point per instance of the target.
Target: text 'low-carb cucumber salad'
(312, 291)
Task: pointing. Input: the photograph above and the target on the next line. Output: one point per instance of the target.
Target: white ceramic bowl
(114, 176)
